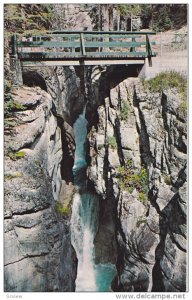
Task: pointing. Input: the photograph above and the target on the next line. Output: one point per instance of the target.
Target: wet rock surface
(148, 129)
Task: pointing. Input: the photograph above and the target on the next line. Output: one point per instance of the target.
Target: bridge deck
(87, 48)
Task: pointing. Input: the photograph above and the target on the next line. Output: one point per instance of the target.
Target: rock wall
(141, 134)
(38, 253)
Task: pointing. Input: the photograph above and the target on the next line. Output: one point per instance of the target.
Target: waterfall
(84, 221)
(84, 226)
(80, 132)
(84, 217)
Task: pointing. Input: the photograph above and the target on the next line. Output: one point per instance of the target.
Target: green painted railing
(83, 45)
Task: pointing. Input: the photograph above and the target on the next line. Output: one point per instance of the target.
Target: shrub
(166, 80)
(7, 86)
(167, 179)
(9, 123)
(130, 179)
(64, 209)
(183, 107)
(124, 110)
(143, 198)
(11, 105)
(100, 146)
(163, 20)
(112, 142)
(13, 175)
(16, 155)
(141, 220)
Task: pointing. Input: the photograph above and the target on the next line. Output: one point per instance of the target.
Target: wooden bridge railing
(83, 45)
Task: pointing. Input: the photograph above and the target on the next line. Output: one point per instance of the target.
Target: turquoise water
(104, 276)
(84, 222)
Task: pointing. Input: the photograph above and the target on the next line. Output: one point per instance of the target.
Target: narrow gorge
(95, 179)
(101, 171)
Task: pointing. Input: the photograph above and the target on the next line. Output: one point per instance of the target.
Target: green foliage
(163, 20)
(9, 123)
(10, 105)
(13, 175)
(129, 9)
(161, 17)
(16, 155)
(124, 110)
(100, 146)
(143, 197)
(167, 80)
(64, 209)
(130, 179)
(141, 220)
(60, 209)
(183, 107)
(112, 142)
(7, 86)
(21, 18)
(167, 179)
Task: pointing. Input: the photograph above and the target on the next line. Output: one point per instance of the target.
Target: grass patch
(124, 110)
(130, 179)
(13, 175)
(167, 179)
(16, 155)
(11, 106)
(112, 142)
(167, 80)
(183, 107)
(141, 220)
(64, 209)
(7, 86)
(9, 123)
(100, 146)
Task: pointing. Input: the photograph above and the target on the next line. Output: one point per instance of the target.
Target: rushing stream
(84, 222)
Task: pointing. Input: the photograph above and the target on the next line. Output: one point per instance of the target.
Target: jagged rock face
(151, 234)
(38, 253)
(64, 86)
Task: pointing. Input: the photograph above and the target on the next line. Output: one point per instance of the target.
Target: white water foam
(84, 221)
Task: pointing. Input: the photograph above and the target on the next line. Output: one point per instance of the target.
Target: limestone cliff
(38, 143)
(138, 166)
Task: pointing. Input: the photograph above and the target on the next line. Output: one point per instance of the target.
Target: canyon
(95, 177)
(134, 149)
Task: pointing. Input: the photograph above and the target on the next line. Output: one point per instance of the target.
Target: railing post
(73, 48)
(82, 44)
(132, 49)
(148, 50)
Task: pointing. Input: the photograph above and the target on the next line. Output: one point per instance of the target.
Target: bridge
(65, 48)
